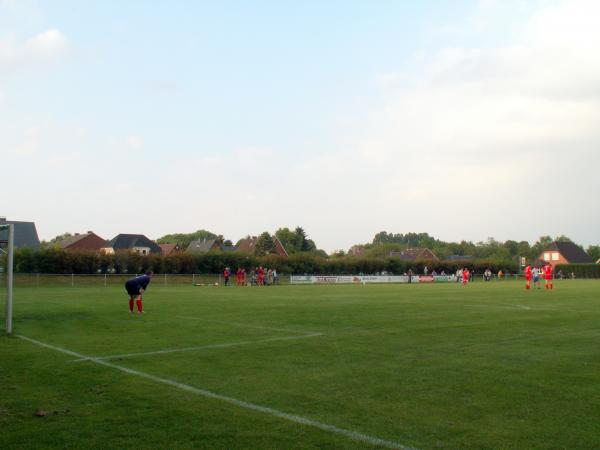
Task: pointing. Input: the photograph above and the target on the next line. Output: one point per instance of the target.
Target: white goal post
(9, 242)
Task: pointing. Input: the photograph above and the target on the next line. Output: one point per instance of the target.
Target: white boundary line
(199, 347)
(354, 435)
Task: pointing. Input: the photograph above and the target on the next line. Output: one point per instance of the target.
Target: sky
(463, 119)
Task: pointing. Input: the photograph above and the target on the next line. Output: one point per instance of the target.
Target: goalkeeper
(135, 287)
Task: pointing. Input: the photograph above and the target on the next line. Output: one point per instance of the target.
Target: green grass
(485, 366)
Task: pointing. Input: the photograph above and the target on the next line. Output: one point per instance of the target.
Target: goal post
(9, 244)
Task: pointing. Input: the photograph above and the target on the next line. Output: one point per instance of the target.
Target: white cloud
(135, 142)
(31, 141)
(43, 48)
(490, 121)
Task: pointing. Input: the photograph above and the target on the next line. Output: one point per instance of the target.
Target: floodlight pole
(9, 279)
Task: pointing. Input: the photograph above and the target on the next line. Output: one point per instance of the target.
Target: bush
(53, 260)
(580, 270)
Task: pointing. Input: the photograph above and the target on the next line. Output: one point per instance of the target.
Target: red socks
(138, 302)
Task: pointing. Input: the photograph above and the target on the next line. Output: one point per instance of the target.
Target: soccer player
(261, 275)
(536, 277)
(135, 287)
(465, 276)
(226, 275)
(528, 276)
(548, 276)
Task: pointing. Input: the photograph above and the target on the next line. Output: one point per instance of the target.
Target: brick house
(83, 241)
(169, 249)
(565, 253)
(248, 245)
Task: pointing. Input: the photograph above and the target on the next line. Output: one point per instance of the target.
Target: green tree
(594, 252)
(289, 240)
(542, 243)
(524, 249)
(303, 243)
(264, 245)
(563, 238)
(512, 247)
(184, 239)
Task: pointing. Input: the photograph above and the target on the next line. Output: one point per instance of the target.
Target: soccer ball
(216, 283)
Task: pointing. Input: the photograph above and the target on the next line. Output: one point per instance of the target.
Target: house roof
(411, 254)
(71, 240)
(571, 252)
(248, 244)
(128, 241)
(201, 245)
(25, 233)
(167, 249)
(281, 251)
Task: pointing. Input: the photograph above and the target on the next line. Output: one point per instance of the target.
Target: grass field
(485, 366)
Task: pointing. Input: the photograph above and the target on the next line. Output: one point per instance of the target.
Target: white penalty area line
(354, 435)
(199, 347)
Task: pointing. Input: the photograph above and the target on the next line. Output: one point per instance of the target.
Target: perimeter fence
(98, 280)
(21, 280)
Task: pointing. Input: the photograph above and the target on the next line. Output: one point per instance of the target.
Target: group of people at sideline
(260, 276)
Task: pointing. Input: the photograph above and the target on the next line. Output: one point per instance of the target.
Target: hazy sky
(463, 119)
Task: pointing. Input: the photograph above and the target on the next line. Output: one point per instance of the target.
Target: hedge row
(56, 261)
(579, 270)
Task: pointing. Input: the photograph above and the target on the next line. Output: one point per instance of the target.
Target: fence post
(72, 280)
(193, 279)
(104, 280)
(165, 278)
(37, 280)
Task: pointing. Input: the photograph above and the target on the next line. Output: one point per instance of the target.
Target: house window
(555, 256)
(547, 256)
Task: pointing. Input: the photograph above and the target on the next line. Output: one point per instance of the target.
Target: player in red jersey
(243, 277)
(528, 276)
(238, 276)
(548, 276)
(465, 276)
(261, 276)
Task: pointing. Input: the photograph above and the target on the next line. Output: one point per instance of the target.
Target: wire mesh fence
(98, 280)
